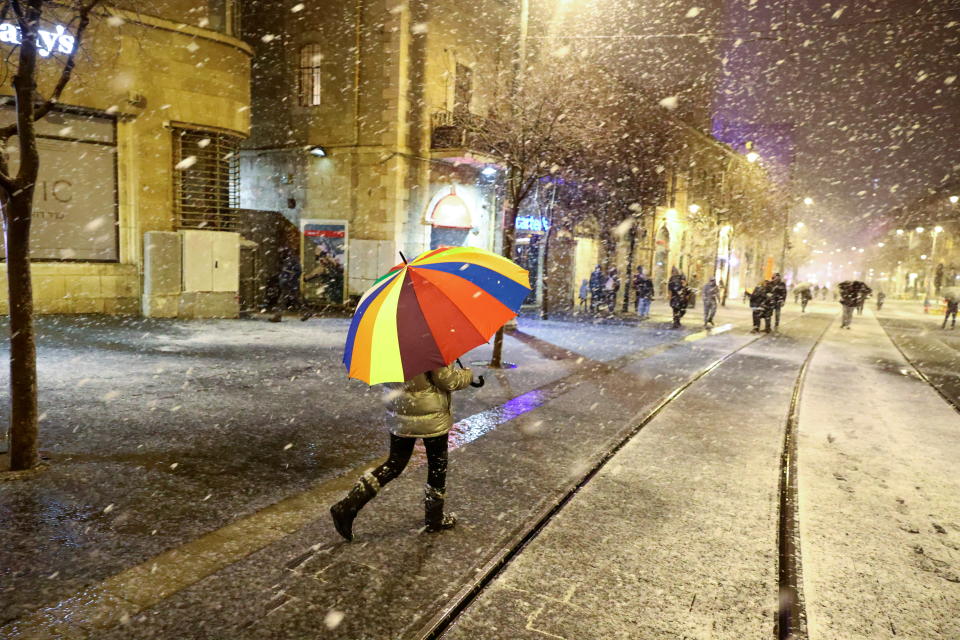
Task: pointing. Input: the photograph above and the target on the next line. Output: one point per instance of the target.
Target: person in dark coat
(761, 304)
(288, 284)
(418, 408)
(881, 296)
(679, 297)
(778, 291)
(952, 305)
(849, 300)
(596, 288)
(643, 287)
(805, 297)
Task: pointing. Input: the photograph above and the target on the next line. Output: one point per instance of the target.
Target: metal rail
(791, 623)
(438, 624)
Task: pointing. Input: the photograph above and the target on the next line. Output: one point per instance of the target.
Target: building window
(310, 75)
(206, 179)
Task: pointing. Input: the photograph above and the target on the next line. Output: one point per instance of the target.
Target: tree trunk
(23, 352)
(628, 276)
(509, 240)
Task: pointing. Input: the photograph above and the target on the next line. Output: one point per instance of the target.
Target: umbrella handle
(477, 384)
(460, 363)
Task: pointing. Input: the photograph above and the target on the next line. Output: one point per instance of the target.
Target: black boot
(434, 517)
(346, 510)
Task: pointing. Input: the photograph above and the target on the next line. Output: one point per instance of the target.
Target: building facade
(136, 147)
(359, 135)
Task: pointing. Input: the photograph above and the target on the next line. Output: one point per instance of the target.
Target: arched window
(310, 56)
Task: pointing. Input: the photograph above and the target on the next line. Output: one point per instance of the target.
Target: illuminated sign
(533, 223)
(58, 39)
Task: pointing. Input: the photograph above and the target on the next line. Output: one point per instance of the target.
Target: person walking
(610, 288)
(952, 305)
(761, 305)
(584, 293)
(596, 288)
(288, 284)
(805, 297)
(711, 298)
(881, 296)
(643, 287)
(778, 291)
(849, 299)
(679, 296)
(418, 408)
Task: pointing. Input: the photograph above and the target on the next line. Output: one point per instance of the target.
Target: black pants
(776, 312)
(400, 452)
(950, 313)
(760, 313)
(803, 304)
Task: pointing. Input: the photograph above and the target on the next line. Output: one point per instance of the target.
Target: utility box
(211, 274)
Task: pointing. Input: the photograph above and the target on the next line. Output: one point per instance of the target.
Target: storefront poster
(324, 259)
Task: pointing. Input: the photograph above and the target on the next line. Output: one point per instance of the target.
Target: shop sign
(58, 39)
(532, 223)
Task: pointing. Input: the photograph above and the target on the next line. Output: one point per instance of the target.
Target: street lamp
(954, 199)
(919, 229)
(753, 156)
(808, 201)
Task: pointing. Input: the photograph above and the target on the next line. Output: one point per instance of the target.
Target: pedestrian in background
(596, 288)
(418, 408)
(778, 292)
(711, 298)
(679, 296)
(584, 292)
(881, 296)
(805, 296)
(288, 284)
(761, 304)
(610, 288)
(643, 287)
(952, 304)
(849, 299)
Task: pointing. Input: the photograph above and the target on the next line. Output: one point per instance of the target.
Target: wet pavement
(157, 521)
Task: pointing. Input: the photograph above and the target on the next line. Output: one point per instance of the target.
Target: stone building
(143, 142)
(359, 135)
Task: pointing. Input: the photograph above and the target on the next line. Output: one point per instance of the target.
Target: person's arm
(450, 379)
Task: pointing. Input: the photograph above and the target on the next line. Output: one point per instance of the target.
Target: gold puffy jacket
(420, 407)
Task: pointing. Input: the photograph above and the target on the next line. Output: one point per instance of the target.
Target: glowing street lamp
(694, 208)
(919, 229)
(954, 199)
(899, 232)
(938, 229)
(753, 156)
(808, 201)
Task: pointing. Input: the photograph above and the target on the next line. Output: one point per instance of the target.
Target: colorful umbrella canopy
(426, 313)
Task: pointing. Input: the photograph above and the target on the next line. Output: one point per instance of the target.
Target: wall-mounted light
(317, 151)
(954, 199)
(694, 208)
(753, 156)
(489, 171)
(938, 229)
(808, 201)
(899, 232)
(919, 229)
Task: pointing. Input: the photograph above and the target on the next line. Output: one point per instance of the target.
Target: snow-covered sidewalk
(879, 452)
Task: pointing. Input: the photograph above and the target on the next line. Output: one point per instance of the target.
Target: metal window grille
(206, 179)
(310, 57)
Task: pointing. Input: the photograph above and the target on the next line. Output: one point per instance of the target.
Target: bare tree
(533, 135)
(16, 197)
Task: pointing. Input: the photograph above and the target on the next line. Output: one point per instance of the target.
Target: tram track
(953, 402)
(789, 572)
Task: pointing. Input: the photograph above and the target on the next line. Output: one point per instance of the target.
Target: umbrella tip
(402, 257)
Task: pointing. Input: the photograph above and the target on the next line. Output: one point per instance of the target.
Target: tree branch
(83, 21)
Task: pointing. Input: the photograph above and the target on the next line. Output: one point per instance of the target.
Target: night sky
(856, 104)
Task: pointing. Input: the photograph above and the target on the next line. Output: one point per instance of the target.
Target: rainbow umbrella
(426, 313)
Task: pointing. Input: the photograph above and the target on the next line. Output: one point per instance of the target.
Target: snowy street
(160, 524)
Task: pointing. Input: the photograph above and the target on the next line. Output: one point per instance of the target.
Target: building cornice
(163, 24)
